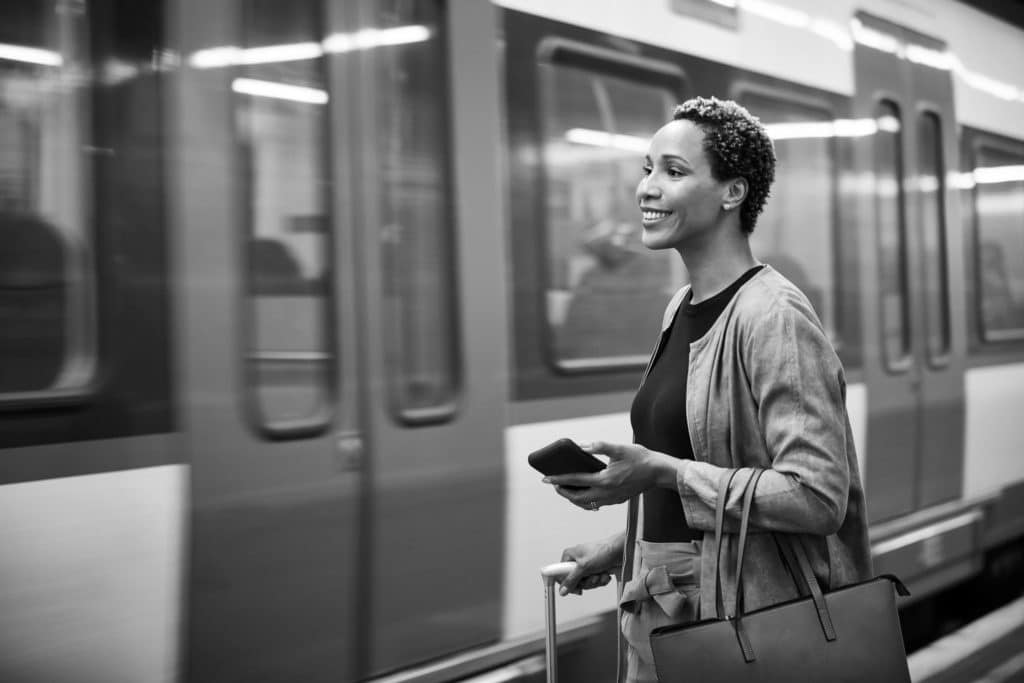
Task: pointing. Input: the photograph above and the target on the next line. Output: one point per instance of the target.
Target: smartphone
(564, 457)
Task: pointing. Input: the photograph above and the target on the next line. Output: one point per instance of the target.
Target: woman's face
(679, 199)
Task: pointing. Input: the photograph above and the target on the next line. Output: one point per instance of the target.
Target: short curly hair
(737, 146)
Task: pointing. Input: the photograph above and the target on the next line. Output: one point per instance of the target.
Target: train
(289, 290)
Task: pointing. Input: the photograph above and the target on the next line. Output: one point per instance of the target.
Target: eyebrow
(676, 157)
(672, 157)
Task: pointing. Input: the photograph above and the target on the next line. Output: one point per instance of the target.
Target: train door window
(602, 284)
(47, 265)
(796, 232)
(416, 226)
(999, 207)
(892, 239)
(280, 126)
(931, 187)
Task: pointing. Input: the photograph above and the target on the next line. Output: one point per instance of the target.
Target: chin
(656, 242)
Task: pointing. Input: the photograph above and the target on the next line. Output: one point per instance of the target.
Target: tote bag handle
(793, 552)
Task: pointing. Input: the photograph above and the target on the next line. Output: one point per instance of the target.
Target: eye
(646, 170)
(676, 172)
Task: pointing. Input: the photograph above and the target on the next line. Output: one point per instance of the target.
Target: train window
(47, 265)
(796, 232)
(596, 127)
(999, 206)
(281, 131)
(932, 189)
(892, 239)
(416, 226)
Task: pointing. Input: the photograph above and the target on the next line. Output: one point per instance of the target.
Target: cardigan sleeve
(796, 382)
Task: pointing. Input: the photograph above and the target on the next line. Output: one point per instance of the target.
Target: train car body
(290, 290)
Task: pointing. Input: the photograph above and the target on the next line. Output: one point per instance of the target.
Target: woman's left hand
(632, 469)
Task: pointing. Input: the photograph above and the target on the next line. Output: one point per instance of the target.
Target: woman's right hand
(595, 564)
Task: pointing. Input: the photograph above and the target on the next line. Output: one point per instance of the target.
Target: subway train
(289, 290)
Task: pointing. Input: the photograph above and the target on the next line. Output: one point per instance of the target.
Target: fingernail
(563, 592)
(546, 480)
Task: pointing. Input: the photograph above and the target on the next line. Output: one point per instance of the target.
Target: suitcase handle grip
(550, 574)
(556, 571)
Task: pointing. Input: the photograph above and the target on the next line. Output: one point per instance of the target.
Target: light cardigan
(765, 389)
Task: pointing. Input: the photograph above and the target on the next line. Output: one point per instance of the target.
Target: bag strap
(725, 482)
(632, 518)
(795, 555)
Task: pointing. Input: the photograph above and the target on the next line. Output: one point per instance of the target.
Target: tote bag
(849, 635)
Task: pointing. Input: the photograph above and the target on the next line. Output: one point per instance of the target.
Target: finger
(615, 451)
(594, 581)
(571, 581)
(576, 479)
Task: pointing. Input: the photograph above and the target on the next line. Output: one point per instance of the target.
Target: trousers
(664, 590)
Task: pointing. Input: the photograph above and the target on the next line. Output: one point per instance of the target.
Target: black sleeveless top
(658, 413)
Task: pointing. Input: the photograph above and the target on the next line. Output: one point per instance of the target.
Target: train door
(429, 214)
(269, 339)
(344, 352)
(914, 357)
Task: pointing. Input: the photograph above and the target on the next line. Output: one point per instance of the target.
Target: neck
(715, 263)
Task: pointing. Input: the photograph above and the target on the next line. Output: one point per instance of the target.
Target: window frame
(602, 62)
(944, 358)
(979, 142)
(847, 333)
(78, 379)
(903, 364)
(317, 422)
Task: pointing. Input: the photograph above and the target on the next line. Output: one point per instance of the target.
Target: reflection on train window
(280, 118)
(999, 206)
(603, 287)
(931, 186)
(892, 238)
(796, 232)
(47, 268)
(416, 227)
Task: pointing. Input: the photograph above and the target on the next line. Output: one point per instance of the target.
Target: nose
(646, 189)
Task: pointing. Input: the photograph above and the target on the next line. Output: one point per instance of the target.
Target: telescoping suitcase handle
(550, 574)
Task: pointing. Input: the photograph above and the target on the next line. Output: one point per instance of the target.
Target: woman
(743, 375)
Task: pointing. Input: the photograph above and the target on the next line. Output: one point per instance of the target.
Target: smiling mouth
(653, 216)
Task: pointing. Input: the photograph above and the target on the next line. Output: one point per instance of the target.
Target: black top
(659, 408)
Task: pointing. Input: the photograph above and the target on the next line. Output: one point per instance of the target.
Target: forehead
(680, 138)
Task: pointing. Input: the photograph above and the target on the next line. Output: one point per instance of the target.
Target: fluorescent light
(214, 57)
(229, 55)
(830, 30)
(374, 37)
(889, 124)
(879, 40)
(1003, 91)
(929, 57)
(280, 91)
(960, 181)
(289, 52)
(999, 174)
(600, 138)
(30, 55)
(841, 128)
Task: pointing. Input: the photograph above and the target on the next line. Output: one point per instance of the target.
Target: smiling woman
(742, 378)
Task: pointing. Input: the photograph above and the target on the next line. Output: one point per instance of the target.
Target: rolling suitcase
(550, 574)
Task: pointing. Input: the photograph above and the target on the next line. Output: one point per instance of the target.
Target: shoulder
(769, 295)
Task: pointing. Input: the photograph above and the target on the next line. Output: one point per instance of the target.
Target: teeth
(654, 215)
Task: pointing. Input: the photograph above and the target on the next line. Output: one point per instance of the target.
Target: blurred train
(288, 290)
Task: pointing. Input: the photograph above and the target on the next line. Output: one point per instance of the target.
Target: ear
(735, 193)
